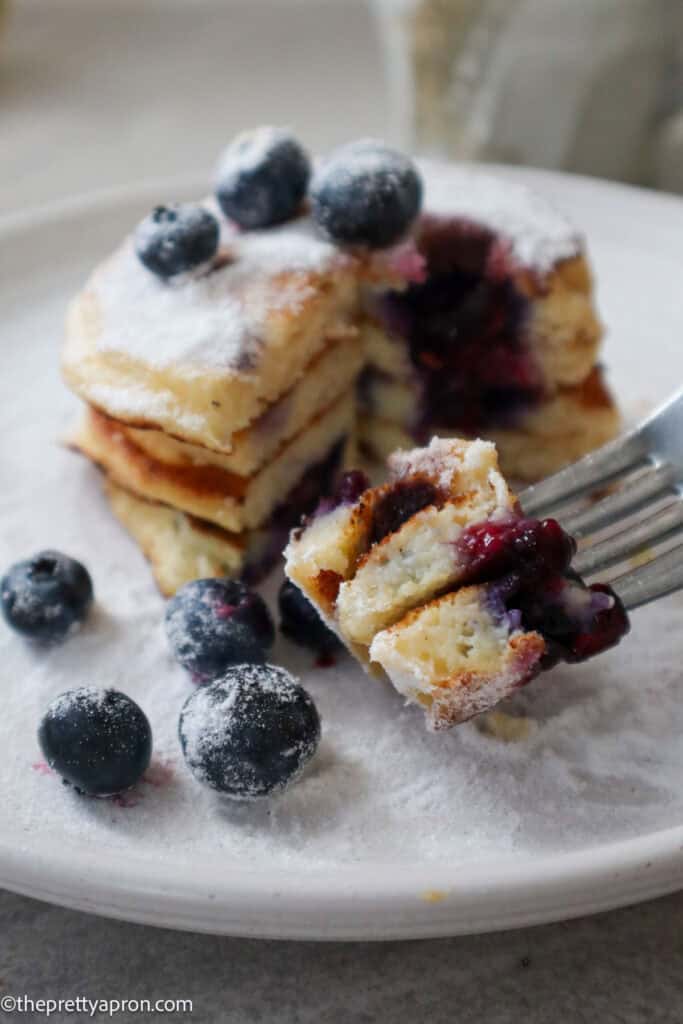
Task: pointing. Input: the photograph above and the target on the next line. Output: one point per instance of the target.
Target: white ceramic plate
(393, 832)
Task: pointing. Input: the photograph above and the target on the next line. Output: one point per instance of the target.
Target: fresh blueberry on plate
(177, 239)
(99, 741)
(301, 623)
(46, 597)
(262, 178)
(214, 623)
(250, 733)
(366, 194)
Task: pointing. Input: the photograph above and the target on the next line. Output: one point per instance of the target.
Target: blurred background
(97, 93)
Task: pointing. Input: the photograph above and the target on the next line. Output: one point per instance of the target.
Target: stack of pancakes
(220, 407)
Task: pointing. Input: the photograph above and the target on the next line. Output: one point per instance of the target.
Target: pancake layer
(330, 374)
(203, 358)
(546, 437)
(207, 490)
(181, 547)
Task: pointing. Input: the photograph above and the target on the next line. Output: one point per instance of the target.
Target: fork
(624, 505)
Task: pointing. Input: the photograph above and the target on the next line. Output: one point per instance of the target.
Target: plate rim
(377, 901)
(371, 900)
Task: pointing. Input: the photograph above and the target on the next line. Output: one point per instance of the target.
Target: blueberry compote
(526, 563)
(399, 502)
(465, 328)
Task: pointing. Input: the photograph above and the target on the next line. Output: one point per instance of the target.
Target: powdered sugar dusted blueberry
(366, 194)
(250, 733)
(177, 239)
(214, 623)
(46, 597)
(262, 177)
(99, 741)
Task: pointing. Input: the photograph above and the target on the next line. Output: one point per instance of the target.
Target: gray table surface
(626, 966)
(95, 94)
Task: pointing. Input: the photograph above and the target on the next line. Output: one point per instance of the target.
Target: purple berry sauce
(526, 564)
(401, 501)
(465, 328)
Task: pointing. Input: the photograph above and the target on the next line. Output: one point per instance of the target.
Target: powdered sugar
(215, 321)
(132, 402)
(370, 164)
(442, 460)
(89, 697)
(203, 721)
(537, 234)
(253, 146)
(602, 759)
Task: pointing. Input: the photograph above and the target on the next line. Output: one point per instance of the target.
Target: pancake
(210, 492)
(456, 658)
(560, 431)
(437, 580)
(330, 374)
(543, 439)
(365, 564)
(561, 333)
(178, 548)
(181, 547)
(204, 358)
(419, 557)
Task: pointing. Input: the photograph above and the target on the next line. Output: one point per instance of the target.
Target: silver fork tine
(598, 469)
(631, 540)
(643, 466)
(661, 576)
(660, 434)
(655, 481)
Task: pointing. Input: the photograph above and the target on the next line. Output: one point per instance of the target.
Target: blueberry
(98, 740)
(214, 623)
(366, 194)
(262, 178)
(177, 239)
(301, 623)
(249, 733)
(46, 597)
